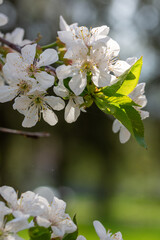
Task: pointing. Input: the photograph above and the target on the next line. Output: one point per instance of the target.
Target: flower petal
(21, 104)
(64, 71)
(72, 112)
(120, 67)
(31, 117)
(50, 117)
(7, 93)
(100, 230)
(46, 80)
(78, 83)
(28, 53)
(63, 25)
(10, 195)
(60, 90)
(48, 57)
(116, 126)
(55, 102)
(3, 19)
(124, 134)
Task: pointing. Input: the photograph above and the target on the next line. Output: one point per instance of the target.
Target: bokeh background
(84, 162)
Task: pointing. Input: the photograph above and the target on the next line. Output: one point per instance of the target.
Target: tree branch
(25, 133)
(11, 45)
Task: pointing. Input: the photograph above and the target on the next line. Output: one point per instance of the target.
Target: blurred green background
(84, 162)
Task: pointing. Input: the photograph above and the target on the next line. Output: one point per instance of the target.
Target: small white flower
(23, 72)
(103, 235)
(3, 17)
(57, 219)
(73, 107)
(16, 37)
(29, 203)
(34, 105)
(137, 95)
(9, 229)
(69, 34)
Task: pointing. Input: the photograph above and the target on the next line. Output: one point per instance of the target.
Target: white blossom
(16, 37)
(73, 107)
(29, 203)
(23, 72)
(103, 235)
(69, 34)
(9, 230)
(100, 60)
(3, 17)
(57, 219)
(34, 105)
(137, 95)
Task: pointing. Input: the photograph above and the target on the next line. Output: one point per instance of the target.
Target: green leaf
(74, 235)
(39, 233)
(126, 82)
(125, 113)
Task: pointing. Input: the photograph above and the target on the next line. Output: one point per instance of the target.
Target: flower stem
(54, 44)
(11, 45)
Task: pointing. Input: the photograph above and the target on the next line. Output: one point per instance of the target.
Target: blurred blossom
(147, 17)
(9, 10)
(47, 192)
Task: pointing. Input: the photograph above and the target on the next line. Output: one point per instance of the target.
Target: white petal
(78, 51)
(31, 117)
(46, 80)
(17, 224)
(7, 93)
(55, 102)
(28, 53)
(64, 71)
(50, 117)
(66, 37)
(117, 236)
(61, 91)
(3, 19)
(43, 222)
(124, 134)
(80, 237)
(139, 90)
(3, 211)
(10, 195)
(72, 112)
(21, 104)
(113, 48)
(144, 114)
(100, 230)
(131, 60)
(100, 78)
(16, 36)
(48, 57)
(78, 83)
(116, 126)
(57, 232)
(63, 25)
(120, 67)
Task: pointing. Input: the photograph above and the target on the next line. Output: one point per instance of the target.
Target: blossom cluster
(33, 212)
(84, 65)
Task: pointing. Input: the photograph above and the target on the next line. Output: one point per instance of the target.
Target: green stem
(54, 44)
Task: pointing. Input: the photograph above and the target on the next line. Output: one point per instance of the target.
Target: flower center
(32, 69)
(24, 87)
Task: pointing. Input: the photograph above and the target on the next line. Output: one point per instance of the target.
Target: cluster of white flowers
(31, 210)
(89, 61)
(35, 207)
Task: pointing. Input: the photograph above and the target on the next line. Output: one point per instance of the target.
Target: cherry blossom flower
(57, 219)
(71, 33)
(3, 17)
(137, 95)
(29, 203)
(103, 235)
(99, 60)
(9, 230)
(34, 105)
(73, 107)
(16, 37)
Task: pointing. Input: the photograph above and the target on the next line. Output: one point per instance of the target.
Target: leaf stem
(54, 44)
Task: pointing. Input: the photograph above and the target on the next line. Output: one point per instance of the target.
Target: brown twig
(11, 45)
(25, 133)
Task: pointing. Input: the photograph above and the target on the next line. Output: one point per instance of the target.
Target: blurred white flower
(9, 230)
(16, 37)
(3, 17)
(137, 95)
(34, 105)
(73, 107)
(29, 203)
(103, 235)
(57, 219)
